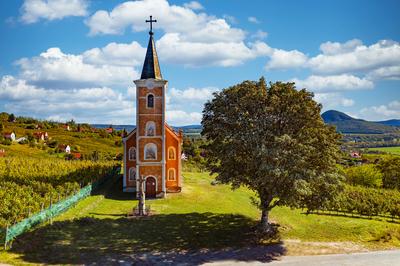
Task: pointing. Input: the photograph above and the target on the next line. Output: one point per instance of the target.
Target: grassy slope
(394, 150)
(201, 217)
(87, 142)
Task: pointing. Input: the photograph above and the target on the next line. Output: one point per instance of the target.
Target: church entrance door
(150, 187)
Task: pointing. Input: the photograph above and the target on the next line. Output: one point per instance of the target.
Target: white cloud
(34, 10)
(95, 105)
(192, 94)
(280, 59)
(118, 54)
(259, 34)
(194, 5)
(171, 18)
(391, 72)
(334, 48)
(332, 99)
(342, 82)
(353, 57)
(17, 90)
(189, 99)
(382, 112)
(172, 48)
(96, 67)
(253, 20)
(181, 118)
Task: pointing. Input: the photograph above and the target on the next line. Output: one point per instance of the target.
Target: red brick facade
(153, 149)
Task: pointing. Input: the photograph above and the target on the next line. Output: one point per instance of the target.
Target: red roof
(76, 155)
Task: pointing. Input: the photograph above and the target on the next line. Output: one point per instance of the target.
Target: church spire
(151, 68)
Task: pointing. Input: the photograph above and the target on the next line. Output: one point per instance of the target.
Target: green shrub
(364, 175)
(390, 168)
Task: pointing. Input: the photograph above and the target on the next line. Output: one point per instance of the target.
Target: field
(202, 219)
(393, 150)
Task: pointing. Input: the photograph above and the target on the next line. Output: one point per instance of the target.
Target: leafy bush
(364, 175)
(7, 142)
(362, 201)
(390, 168)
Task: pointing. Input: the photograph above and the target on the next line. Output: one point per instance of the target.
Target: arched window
(150, 101)
(150, 128)
(171, 153)
(132, 174)
(171, 174)
(132, 154)
(150, 151)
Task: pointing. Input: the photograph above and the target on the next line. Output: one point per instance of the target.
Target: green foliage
(390, 169)
(7, 142)
(362, 201)
(195, 153)
(364, 175)
(52, 143)
(273, 140)
(4, 116)
(11, 118)
(118, 143)
(25, 183)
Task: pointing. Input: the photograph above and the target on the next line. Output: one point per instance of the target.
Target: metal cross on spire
(151, 24)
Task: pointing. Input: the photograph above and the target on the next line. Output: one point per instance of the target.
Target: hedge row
(363, 201)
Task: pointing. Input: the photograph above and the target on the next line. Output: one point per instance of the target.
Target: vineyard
(28, 185)
(362, 201)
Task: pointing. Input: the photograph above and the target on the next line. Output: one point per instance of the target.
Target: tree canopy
(272, 140)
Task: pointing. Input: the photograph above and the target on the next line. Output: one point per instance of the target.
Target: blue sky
(66, 59)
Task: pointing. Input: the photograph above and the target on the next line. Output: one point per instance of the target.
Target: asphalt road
(384, 258)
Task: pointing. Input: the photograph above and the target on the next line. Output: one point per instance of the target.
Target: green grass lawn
(202, 217)
(393, 150)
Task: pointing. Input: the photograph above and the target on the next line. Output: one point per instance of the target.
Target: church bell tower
(150, 119)
(152, 151)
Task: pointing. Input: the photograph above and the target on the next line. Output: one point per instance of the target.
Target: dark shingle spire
(151, 68)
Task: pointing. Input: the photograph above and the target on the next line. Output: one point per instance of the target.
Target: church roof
(151, 68)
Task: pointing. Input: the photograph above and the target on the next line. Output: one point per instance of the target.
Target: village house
(152, 151)
(9, 135)
(2, 153)
(41, 135)
(109, 130)
(355, 154)
(66, 127)
(76, 155)
(64, 148)
(21, 139)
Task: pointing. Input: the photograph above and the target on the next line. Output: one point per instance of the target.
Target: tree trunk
(264, 219)
(265, 208)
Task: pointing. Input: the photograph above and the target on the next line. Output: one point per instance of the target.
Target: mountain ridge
(347, 124)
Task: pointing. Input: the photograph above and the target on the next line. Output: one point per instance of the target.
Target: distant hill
(391, 122)
(347, 124)
(186, 129)
(343, 122)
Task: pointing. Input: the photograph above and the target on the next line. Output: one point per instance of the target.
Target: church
(152, 150)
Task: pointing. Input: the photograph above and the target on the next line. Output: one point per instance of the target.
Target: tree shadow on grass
(192, 238)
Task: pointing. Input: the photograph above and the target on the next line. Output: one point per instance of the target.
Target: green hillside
(86, 142)
(347, 124)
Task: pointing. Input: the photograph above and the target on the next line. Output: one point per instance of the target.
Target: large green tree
(390, 168)
(272, 140)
